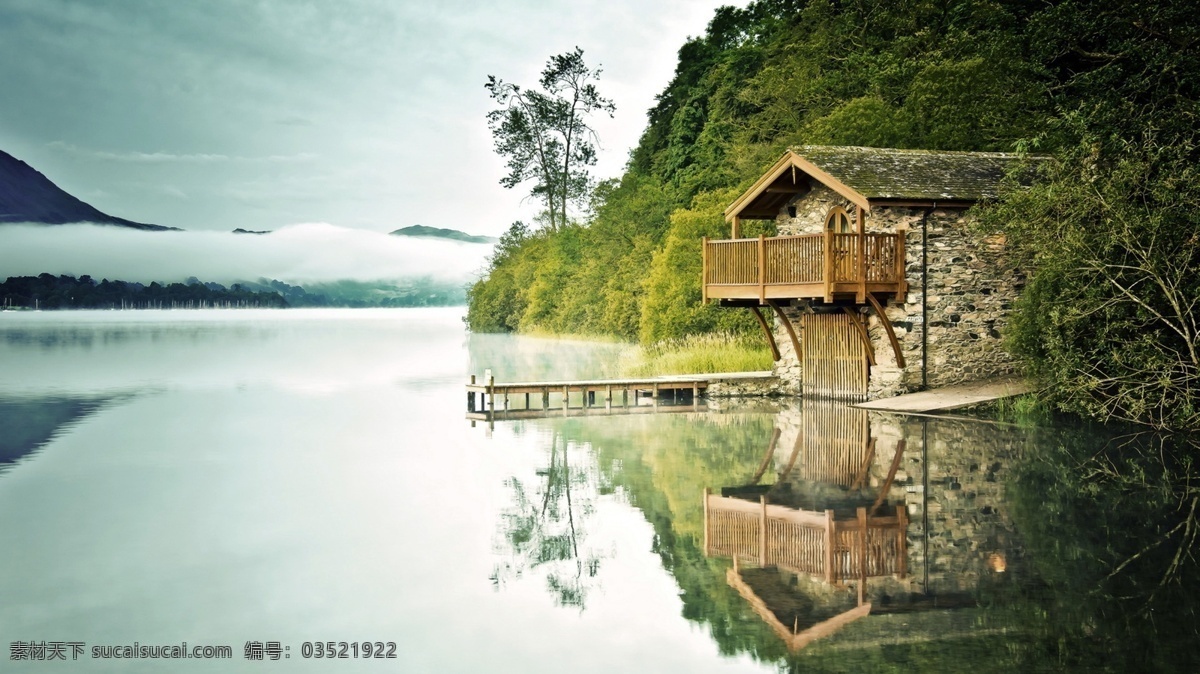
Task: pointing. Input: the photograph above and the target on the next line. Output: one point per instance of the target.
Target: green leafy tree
(545, 135)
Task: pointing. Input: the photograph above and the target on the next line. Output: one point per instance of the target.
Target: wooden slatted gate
(835, 359)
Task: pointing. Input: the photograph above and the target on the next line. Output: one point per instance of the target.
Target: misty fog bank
(299, 254)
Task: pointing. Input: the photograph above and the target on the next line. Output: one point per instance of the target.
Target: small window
(838, 221)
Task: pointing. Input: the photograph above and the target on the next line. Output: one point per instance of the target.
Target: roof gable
(866, 174)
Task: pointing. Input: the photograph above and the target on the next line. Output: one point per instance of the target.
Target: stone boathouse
(876, 282)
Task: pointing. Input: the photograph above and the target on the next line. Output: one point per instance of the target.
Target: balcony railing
(806, 266)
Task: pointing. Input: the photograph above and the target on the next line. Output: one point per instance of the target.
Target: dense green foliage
(1109, 320)
(1109, 90)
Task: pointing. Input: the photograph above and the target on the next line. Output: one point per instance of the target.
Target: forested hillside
(1109, 89)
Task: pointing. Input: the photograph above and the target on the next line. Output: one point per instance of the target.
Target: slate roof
(866, 175)
(917, 175)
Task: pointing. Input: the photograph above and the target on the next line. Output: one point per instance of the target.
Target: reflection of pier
(666, 407)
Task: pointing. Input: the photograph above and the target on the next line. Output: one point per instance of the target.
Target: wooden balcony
(824, 266)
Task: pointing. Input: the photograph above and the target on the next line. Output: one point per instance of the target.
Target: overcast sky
(261, 113)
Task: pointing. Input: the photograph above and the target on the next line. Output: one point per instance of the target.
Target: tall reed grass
(699, 354)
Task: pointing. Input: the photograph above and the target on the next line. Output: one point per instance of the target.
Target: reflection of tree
(1112, 524)
(543, 530)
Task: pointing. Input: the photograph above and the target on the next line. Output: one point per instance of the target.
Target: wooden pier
(491, 400)
(490, 396)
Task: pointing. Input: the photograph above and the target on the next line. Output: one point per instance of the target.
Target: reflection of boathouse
(821, 516)
(827, 517)
(868, 514)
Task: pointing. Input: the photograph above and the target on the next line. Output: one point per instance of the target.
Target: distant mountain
(239, 230)
(28, 196)
(439, 233)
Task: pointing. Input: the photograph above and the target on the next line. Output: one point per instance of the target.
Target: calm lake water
(302, 476)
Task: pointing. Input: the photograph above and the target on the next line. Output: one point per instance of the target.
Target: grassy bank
(699, 354)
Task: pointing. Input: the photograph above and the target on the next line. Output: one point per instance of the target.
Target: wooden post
(862, 334)
(788, 326)
(862, 543)
(706, 538)
(767, 331)
(827, 273)
(491, 387)
(736, 227)
(608, 397)
(902, 540)
(566, 398)
(625, 397)
(887, 326)
(830, 538)
(471, 397)
(861, 294)
(654, 394)
(527, 400)
(762, 269)
(545, 397)
(762, 530)
(704, 269)
(901, 264)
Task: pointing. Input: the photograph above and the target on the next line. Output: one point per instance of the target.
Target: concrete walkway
(951, 397)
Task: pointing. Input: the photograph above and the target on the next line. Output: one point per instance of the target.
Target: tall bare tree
(545, 135)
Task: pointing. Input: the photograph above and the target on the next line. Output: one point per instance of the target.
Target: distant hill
(439, 233)
(28, 196)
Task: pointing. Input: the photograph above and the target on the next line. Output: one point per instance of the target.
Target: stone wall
(971, 288)
(811, 211)
(952, 481)
(750, 387)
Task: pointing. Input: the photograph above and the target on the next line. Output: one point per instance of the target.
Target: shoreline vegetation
(708, 353)
(1108, 235)
(47, 291)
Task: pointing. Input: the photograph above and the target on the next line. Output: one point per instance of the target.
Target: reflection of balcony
(808, 266)
(821, 544)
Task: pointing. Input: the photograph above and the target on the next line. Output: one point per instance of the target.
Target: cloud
(166, 157)
(297, 254)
